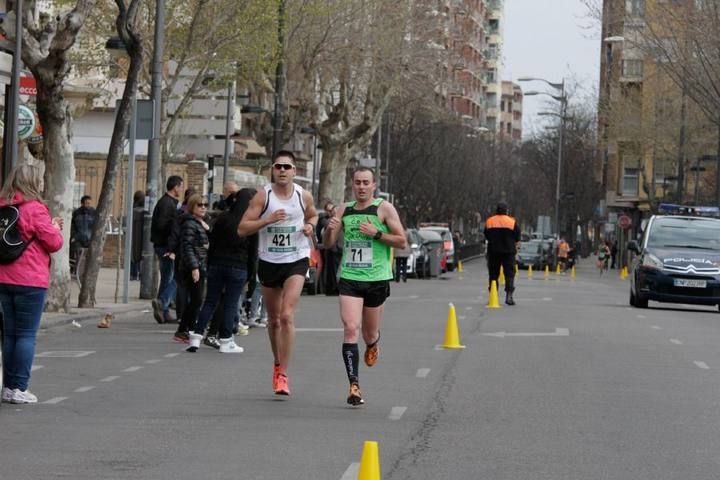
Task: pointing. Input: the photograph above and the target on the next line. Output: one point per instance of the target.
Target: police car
(678, 258)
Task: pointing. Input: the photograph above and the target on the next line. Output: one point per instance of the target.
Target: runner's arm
(311, 214)
(251, 222)
(396, 238)
(333, 228)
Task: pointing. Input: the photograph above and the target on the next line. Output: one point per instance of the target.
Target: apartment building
(511, 108)
(472, 36)
(651, 137)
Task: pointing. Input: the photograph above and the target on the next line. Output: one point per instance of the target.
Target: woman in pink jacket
(23, 282)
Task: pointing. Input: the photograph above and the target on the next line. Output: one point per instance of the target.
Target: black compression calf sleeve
(351, 359)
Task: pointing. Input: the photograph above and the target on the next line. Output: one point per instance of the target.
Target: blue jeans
(166, 292)
(255, 303)
(22, 310)
(227, 283)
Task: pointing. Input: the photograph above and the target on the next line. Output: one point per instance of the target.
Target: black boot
(509, 299)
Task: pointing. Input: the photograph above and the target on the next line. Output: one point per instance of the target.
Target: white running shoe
(7, 394)
(256, 323)
(20, 396)
(195, 339)
(243, 329)
(228, 345)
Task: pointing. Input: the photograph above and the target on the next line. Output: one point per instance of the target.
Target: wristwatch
(378, 235)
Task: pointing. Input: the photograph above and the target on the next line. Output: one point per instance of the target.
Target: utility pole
(279, 83)
(147, 289)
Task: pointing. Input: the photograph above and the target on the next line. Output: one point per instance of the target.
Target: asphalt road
(571, 383)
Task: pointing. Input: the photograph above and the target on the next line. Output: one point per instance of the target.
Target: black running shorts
(273, 275)
(373, 294)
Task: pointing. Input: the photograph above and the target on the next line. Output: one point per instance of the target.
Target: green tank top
(364, 259)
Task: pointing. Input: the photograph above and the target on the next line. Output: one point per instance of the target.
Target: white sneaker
(7, 394)
(243, 329)
(195, 339)
(228, 345)
(256, 323)
(20, 396)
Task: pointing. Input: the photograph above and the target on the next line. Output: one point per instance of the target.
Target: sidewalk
(105, 301)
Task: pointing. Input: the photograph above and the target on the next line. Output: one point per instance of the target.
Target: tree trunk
(133, 43)
(332, 173)
(59, 181)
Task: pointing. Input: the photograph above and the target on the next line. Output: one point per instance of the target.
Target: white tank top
(284, 242)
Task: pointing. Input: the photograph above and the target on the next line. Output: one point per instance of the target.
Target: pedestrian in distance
(164, 218)
(231, 259)
(192, 264)
(371, 227)
(83, 220)
(138, 218)
(503, 234)
(613, 254)
(563, 250)
(284, 216)
(331, 254)
(401, 260)
(24, 279)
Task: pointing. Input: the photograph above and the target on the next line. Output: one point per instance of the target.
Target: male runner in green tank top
(371, 228)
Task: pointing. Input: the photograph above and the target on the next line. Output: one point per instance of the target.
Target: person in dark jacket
(502, 233)
(138, 218)
(163, 219)
(192, 265)
(83, 220)
(231, 259)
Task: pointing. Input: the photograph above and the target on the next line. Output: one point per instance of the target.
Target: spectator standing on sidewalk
(503, 234)
(192, 264)
(163, 220)
(231, 259)
(138, 218)
(24, 281)
(83, 220)
(401, 259)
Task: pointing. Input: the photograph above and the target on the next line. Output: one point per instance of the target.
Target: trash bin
(435, 257)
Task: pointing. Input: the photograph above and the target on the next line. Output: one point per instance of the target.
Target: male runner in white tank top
(284, 215)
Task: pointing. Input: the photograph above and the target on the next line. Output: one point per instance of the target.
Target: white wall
(92, 132)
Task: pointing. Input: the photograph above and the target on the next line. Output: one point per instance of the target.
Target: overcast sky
(549, 39)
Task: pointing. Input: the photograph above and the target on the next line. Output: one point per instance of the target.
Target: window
(509, 128)
(502, 106)
(632, 68)
(631, 182)
(634, 8)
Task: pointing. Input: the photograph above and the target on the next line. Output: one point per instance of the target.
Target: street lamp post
(153, 156)
(562, 98)
(279, 83)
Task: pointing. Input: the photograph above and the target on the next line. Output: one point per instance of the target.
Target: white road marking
(702, 365)
(676, 341)
(468, 308)
(352, 472)
(559, 332)
(65, 354)
(155, 360)
(462, 317)
(84, 389)
(655, 327)
(318, 329)
(641, 316)
(547, 299)
(422, 372)
(171, 355)
(133, 369)
(396, 413)
(111, 378)
(414, 296)
(36, 367)
(54, 401)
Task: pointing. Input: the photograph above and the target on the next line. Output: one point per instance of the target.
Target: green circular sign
(26, 122)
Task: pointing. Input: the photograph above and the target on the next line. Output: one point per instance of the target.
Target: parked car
(417, 251)
(531, 253)
(433, 244)
(677, 261)
(448, 242)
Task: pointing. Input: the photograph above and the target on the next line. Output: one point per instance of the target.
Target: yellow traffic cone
(370, 462)
(546, 274)
(460, 267)
(572, 272)
(452, 336)
(530, 271)
(624, 273)
(557, 269)
(493, 299)
(501, 278)
(517, 269)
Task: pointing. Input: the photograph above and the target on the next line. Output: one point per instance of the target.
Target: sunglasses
(283, 166)
(203, 205)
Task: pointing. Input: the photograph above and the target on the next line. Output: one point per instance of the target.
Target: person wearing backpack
(31, 235)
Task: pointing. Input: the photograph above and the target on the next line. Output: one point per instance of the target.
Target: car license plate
(684, 282)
